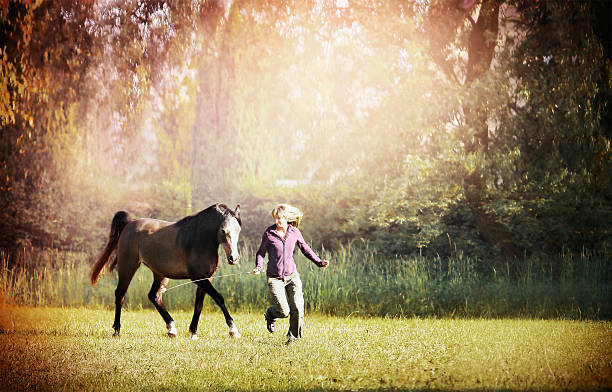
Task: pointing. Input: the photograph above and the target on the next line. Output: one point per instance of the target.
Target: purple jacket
(280, 252)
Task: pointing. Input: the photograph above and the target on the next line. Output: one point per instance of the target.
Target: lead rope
(198, 280)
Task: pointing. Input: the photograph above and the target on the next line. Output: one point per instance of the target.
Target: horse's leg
(155, 296)
(126, 273)
(199, 299)
(208, 288)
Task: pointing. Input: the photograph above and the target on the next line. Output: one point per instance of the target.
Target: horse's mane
(193, 229)
(222, 209)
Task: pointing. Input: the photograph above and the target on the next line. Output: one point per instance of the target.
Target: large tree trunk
(481, 49)
(212, 100)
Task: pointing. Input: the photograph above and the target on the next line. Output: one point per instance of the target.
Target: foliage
(551, 136)
(431, 129)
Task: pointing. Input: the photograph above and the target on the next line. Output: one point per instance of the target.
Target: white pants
(287, 300)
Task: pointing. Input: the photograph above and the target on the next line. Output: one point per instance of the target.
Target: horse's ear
(237, 210)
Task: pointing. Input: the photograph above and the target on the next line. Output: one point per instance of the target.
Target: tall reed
(359, 281)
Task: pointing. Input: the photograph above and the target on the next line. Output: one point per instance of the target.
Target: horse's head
(228, 234)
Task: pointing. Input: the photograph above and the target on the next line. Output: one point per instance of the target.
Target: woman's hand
(324, 263)
(256, 271)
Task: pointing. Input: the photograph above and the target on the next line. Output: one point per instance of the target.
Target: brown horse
(187, 249)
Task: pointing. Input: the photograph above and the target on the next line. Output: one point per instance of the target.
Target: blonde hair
(293, 214)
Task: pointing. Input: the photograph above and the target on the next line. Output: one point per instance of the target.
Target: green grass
(72, 349)
(359, 281)
(372, 322)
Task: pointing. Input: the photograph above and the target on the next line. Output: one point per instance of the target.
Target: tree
(420, 126)
(79, 77)
(500, 68)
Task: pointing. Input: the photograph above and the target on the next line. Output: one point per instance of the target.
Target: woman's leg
(279, 306)
(296, 306)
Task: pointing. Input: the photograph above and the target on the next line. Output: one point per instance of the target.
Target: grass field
(72, 349)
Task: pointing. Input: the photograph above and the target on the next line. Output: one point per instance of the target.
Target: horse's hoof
(116, 334)
(193, 336)
(171, 329)
(233, 333)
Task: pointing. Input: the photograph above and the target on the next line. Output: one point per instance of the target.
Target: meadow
(72, 349)
(372, 323)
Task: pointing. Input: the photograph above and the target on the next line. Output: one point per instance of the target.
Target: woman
(284, 284)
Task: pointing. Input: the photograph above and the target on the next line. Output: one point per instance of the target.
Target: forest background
(477, 129)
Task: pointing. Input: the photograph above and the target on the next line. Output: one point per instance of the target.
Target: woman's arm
(261, 253)
(308, 252)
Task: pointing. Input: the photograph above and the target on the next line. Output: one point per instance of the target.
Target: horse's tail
(120, 220)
